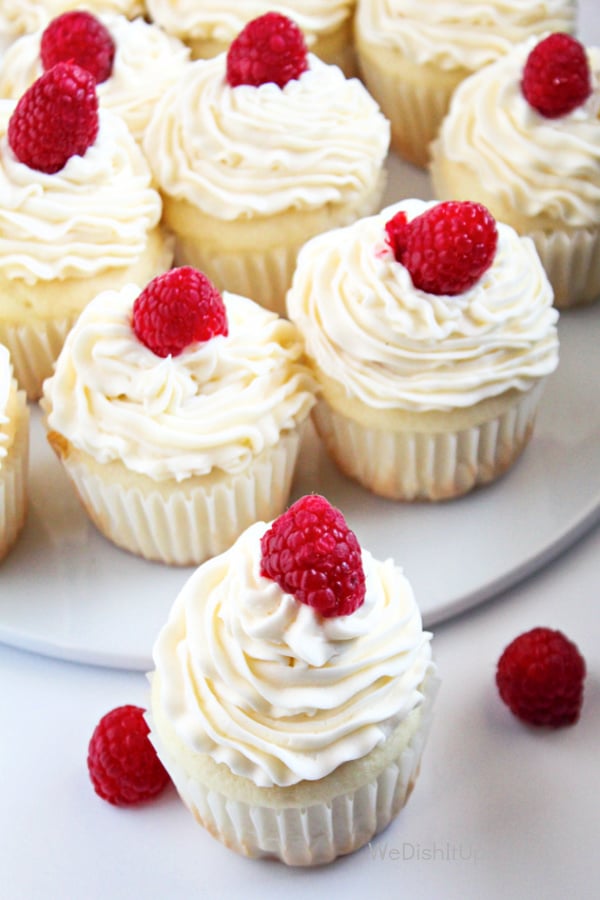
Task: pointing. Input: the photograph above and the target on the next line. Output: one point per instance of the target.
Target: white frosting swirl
(536, 165)
(23, 16)
(95, 213)
(263, 684)
(394, 346)
(246, 151)
(214, 406)
(222, 20)
(147, 62)
(5, 387)
(463, 34)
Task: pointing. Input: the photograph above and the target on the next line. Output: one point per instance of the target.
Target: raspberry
(55, 119)
(177, 309)
(122, 763)
(556, 76)
(311, 553)
(81, 38)
(269, 48)
(447, 248)
(540, 678)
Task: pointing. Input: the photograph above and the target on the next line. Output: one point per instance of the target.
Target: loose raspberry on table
(176, 309)
(269, 48)
(540, 677)
(447, 248)
(81, 38)
(311, 553)
(55, 119)
(122, 763)
(556, 77)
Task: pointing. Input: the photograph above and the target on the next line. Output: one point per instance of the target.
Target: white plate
(67, 592)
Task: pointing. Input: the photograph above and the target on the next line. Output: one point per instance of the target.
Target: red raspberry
(81, 38)
(177, 309)
(447, 248)
(556, 76)
(269, 48)
(122, 763)
(55, 119)
(540, 678)
(311, 553)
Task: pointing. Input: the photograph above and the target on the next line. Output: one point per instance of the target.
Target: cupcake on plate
(413, 54)
(430, 329)
(292, 690)
(78, 213)
(209, 26)
(178, 415)
(14, 455)
(255, 152)
(133, 62)
(523, 137)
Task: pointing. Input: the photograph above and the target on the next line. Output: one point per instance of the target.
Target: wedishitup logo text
(415, 852)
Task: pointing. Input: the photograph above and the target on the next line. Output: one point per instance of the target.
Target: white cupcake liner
(183, 524)
(311, 834)
(428, 465)
(34, 348)
(572, 264)
(14, 482)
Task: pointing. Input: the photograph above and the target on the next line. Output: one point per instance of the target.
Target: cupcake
(430, 329)
(412, 55)
(523, 137)
(78, 214)
(26, 16)
(209, 26)
(178, 415)
(133, 62)
(253, 158)
(292, 690)
(14, 455)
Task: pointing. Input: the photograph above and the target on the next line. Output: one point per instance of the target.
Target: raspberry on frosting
(311, 553)
(78, 37)
(556, 77)
(55, 119)
(447, 248)
(176, 309)
(540, 677)
(270, 48)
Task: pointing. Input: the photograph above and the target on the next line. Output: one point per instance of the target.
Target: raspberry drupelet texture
(122, 763)
(311, 553)
(270, 48)
(176, 309)
(55, 119)
(556, 77)
(540, 677)
(79, 37)
(447, 248)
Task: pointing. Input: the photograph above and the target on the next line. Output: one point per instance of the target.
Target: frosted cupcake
(78, 213)
(133, 62)
(255, 152)
(413, 54)
(292, 690)
(178, 415)
(25, 16)
(209, 26)
(14, 455)
(431, 330)
(534, 162)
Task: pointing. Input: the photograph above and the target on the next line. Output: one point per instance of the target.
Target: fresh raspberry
(556, 77)
(55, 119)
(269, 48)
(122, 763)
(81, 38)
(447, 248)
(311, 553)
(177, 309)
(540, 678)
